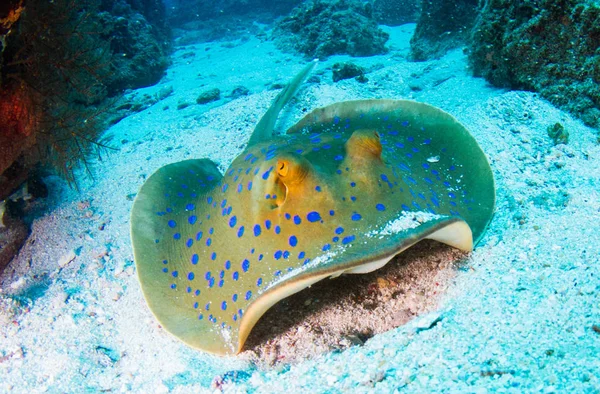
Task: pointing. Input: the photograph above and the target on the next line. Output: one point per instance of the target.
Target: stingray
(346, 189)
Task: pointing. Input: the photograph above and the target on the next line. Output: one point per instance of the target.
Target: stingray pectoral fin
(444, 145)
(370, 252)
(164, 215)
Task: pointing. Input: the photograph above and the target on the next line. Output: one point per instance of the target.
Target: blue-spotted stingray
(343, 191)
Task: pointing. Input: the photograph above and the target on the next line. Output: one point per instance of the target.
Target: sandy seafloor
(522, 315)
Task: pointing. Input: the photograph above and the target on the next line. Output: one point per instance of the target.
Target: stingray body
(347, 188)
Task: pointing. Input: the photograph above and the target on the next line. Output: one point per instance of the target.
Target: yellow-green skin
(311, 205)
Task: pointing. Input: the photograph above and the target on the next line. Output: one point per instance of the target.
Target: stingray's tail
(264, 129)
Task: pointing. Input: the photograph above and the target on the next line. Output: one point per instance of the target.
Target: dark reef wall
(442, 25)
(548, 46)
(59, 62)
(396, 12)
(181, 12)
(323, 28)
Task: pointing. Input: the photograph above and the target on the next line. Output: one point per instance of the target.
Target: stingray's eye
(292, 168)
(283, 168)
(364, 142)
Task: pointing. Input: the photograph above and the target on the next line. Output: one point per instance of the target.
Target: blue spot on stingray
(173, 286)
(227, 265)
(318, 188)
(190, 207)
(380, 207)
(277, 229)
(288, 216)
(239, 188)
(177, 236)
(224, 305)
(326, 247)
(336, 119)
(249, 187)
(192, 219)
(222, 274)
(197, 293)
(293, 241)
(234, 297)
(268, 224)
(338, 172)
(301, 255)
(190, 276)
(338, 158)
(260, 257)
(405, 207)
(259, 282)
(266, 174)
(172, 223)
(257, 230)
(286, 254)
(194, 259)
(209, 200)
(278, 254)
(235, 275)
(165, 270)
(353, 184)
(213, 256)
(297, 219)
(208, 241)
(165, 261)
(200, 316)
(196, 305)
(199, 236)
(267, 196)
(169, 209)
(189, 243)
(356, 217)
(277, 273)
(313, 216)
(353, 198)
(224, 188)
(331, 213)
(240, 232)
(245, 265)
(248, 295)
(326, 146)
(174, 273)
(335, 239)
(348, 239)
(211, 282)
(207, 275)
(339, 230)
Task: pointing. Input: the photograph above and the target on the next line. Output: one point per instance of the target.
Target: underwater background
(97, 95)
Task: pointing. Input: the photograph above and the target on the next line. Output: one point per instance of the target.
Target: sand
(519, 314)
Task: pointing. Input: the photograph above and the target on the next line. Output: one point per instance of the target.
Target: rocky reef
(61, 62)
(322, 28)
(548, 46)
